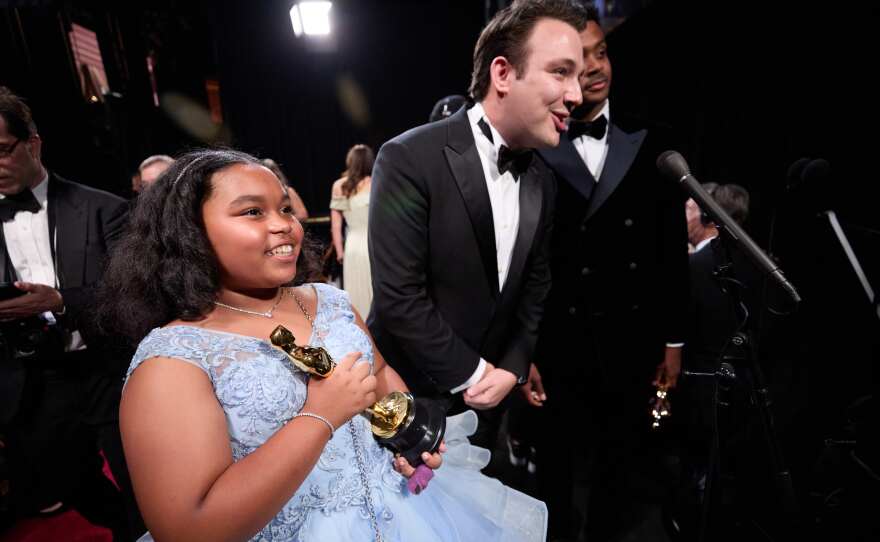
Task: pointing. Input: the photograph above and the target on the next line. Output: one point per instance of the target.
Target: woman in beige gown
(350, 202)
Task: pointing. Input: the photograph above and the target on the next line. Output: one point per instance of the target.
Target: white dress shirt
(30, 250)
(28, 243)
(593, 151)
(503, 192)
(703, 243)
(504, 199)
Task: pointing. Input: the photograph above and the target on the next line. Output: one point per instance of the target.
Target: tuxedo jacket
(619, 252)
(712, 316)
(437, 307)
(84, 222)
(714, 313)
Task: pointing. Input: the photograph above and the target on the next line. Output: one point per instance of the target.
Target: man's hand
(38, 299)
(491, 389)
(668, 371)
(533, 389)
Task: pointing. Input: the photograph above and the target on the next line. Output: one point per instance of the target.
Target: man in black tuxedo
(712, 315)
(57, 397)
(614, 318)
(461, 214)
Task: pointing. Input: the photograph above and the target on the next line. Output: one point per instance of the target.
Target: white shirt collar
(41, 191)
(593, 151)
(703, 243)
(476, 113)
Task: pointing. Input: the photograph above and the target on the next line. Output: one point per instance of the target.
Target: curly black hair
(163, 268)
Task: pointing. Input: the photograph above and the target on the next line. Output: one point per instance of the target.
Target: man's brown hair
(508, 32)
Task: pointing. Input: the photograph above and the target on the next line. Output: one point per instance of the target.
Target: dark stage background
(749, 86)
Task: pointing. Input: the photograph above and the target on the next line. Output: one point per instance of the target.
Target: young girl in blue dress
(225, 439)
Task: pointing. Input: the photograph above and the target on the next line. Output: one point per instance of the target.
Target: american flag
(87, 56)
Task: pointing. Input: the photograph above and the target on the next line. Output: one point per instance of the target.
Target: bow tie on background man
(516, 162)
(23, 201)
(595, 129)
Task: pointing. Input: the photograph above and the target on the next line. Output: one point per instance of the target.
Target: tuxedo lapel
(531, 202)
(464, 162)
(567, 163)
(622, 150)
(66, 218)
(5, 264)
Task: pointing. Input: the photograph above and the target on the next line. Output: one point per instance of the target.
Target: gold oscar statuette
(661, 408)
(398, 421)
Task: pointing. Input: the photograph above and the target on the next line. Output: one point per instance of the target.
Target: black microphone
(810, 188)
(673, 166)
(795, 172)
(816, 171)
(793, 177)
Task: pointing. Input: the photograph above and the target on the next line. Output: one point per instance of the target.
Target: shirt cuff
(674, 345)
(478, 374)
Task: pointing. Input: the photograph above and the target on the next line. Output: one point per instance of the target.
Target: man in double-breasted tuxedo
(57, 391)
(614, 318)
(461, 212)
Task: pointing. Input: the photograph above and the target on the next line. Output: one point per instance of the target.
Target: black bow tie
(517, 162)
(23, 201)
(595, 129)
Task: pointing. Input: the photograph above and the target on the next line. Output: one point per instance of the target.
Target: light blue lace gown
(260, 390)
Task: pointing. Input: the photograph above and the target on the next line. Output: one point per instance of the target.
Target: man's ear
(35, 146)
(501, 72)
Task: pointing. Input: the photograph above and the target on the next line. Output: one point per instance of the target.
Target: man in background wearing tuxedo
(461, 216)
(714, 316)
(619, 266)
(58, 397)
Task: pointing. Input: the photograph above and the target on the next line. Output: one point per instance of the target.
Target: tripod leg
(782, 479)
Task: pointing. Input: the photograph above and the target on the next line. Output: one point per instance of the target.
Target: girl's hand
(418, 477)
(348, 391)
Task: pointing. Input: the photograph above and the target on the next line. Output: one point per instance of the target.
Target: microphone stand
(742, 365)
(853, 260)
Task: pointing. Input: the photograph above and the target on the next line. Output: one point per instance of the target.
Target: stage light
(311, 18)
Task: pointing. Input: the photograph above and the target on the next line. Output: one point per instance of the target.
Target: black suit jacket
(714, 314)
(619, 254)
(436, 303)
(85, 222)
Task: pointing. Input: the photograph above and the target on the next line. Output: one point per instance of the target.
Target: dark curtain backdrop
(101, 144)
(281, 97)
(751, 87)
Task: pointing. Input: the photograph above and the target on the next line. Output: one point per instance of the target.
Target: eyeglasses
(9, 149)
